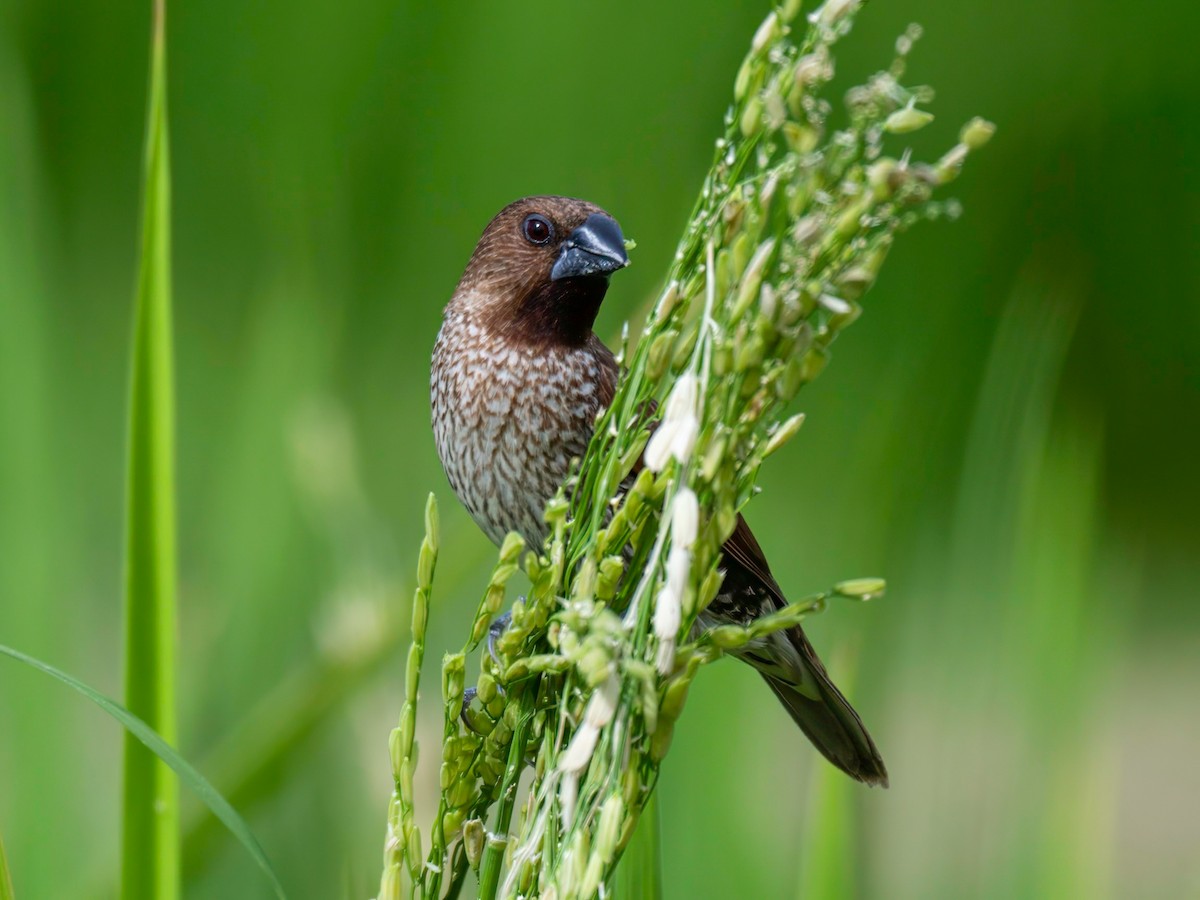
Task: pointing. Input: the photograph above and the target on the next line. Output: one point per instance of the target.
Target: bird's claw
(494, 631)
(468, 696)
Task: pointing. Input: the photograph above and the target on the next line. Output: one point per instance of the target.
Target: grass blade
(150, 823)
(155, 745)
(829, 858)
(639, 873)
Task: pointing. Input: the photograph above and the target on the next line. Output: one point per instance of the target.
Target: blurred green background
(1009, 434)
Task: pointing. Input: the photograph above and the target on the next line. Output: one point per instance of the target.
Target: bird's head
(541, 268)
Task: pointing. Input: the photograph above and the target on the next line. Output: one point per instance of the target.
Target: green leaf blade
(150, 856)
(154, 743)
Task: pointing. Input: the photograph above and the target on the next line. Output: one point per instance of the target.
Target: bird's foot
(494, 631)
(470, 718)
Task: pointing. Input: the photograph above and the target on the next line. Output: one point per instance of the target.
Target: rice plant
(581, 686)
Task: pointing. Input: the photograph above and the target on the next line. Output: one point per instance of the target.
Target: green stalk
(829, 858)
(493, 855)
(639, 873)
(150, 821)
(458, 875)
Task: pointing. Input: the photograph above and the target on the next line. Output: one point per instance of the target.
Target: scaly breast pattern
(507, 420)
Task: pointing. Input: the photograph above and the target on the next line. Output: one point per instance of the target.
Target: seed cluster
(585, 681)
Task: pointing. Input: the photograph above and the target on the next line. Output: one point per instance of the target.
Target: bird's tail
(791, 667)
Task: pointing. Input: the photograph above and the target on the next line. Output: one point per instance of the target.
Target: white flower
(603, 705)
(813, 68)
(834, 304)
(832, 11)
(768, 302)
(599, 712)
(806, 229)
(579, 751)
(668, 606)
(680, 426)
(679, 564)
(767, 32)
(568, 790)
(685, 518)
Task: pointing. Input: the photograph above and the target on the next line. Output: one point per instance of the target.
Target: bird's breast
(508, 419)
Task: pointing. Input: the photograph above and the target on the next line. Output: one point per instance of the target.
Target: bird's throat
(561, 312)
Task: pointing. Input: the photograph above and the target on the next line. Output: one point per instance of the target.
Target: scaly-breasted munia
(518, 380)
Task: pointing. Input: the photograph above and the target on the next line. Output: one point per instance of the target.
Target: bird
(518, 379)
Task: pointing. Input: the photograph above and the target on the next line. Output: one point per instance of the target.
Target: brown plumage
(518, 379)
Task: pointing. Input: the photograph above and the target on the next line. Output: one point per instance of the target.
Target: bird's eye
(537, 229)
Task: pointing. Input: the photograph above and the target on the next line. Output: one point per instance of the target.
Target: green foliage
(155, 745)
(331, 170)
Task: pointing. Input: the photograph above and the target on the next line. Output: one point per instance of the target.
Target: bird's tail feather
(792, 669)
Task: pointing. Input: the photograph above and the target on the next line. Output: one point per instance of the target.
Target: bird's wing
(787, 660)
(742, 548)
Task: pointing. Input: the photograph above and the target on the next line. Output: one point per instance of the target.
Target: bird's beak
(596, 247)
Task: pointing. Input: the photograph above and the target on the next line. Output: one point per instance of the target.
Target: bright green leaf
(198, 783)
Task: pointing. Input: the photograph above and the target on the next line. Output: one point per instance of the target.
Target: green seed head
(976, 133)
(861, 588)
(453, 675)
(906, 120)
(473, 839)
(452, 823)
(729, 637)
(389, 887)
(426, 562)
(432, 523)
(397, 750)
(406, 780)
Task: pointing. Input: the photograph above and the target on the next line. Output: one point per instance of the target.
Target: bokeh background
(1009, 434)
